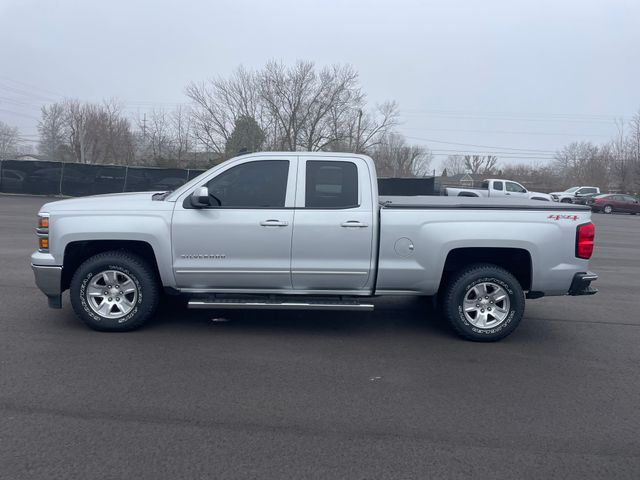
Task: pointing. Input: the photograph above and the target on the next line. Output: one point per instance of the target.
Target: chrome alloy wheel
(111, 294)
(486, 305)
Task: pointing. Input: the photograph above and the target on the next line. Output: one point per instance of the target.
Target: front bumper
(581, 284)
(49, 281)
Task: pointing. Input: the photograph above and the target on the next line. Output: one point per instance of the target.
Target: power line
(19, 114)
(513, 118)
(529, 150)
(587, 116)
(510, 132)
(24, 84)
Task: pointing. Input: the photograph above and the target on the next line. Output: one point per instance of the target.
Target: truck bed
(484, 203)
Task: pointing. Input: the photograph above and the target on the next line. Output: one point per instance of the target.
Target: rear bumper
(581, 284)
(49, 281)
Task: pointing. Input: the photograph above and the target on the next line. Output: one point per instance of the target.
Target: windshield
(572, 189)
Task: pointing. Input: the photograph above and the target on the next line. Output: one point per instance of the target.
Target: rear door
(333, 234)
(619, 203)
(631, 204)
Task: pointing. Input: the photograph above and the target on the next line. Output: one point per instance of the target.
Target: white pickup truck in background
(497, 187)
(573, 193)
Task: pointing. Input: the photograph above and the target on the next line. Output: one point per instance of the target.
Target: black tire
(607, 207)
(463, 282)
(565, 200)
(143, 278)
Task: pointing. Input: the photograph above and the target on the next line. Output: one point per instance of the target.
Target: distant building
(29, 157)
(466, 180)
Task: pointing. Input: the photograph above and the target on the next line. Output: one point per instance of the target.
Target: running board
(217, 303)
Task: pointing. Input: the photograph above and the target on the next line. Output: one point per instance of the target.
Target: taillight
(585, 235)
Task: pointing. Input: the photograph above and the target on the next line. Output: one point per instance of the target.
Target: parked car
(570, 194)
(615, 202)
(296, 230)
(496, 187)
(583, 199)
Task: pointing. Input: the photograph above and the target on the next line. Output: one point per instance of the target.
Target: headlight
(43, 232)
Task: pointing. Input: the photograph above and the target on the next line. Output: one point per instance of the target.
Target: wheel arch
(516, 261)
(76, 252)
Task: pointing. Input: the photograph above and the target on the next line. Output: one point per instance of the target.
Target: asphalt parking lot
(392, 394)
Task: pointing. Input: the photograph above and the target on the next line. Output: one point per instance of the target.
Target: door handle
(353, 224)
(273, 223)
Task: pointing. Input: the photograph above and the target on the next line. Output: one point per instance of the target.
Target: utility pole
(144, 127)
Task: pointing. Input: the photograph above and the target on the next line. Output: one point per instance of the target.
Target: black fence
(407, 186)
(76, 180)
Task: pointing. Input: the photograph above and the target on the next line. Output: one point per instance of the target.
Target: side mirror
(200, 197)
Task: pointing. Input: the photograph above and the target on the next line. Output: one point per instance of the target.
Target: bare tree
(182, 134)
(622, 164)
(395, 158)
(53, 132)
(583, 163)
(454, 165)
(218, 103)
(9, 141)
(77, 120)
(86, 132)
(539, 177)
(485, 164)
(633, 150)
(297, 107)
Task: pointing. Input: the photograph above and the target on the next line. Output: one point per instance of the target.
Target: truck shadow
(408, 314)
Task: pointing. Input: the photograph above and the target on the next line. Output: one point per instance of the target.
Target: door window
(331, 184)
(261, 184)
(514, 187)
(497, 185)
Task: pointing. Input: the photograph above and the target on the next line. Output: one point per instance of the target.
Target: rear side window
(331, 185)
(497, 185)
(261, 184)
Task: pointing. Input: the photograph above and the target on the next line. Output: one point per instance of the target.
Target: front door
(333, 226)
(514, 189)
(243, 241)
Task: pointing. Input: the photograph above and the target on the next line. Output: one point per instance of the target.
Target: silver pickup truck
(307, 231)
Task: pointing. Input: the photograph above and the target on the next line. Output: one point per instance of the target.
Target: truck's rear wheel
(114, 291)
(484, 303)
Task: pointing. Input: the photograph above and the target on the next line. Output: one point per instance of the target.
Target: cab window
(514, 187)
(261, 184)
(331, 184)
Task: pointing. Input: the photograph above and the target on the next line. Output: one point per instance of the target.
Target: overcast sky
(524, 77)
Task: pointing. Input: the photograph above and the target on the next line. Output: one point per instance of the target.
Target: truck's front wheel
(484, 303)
(114, 291)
